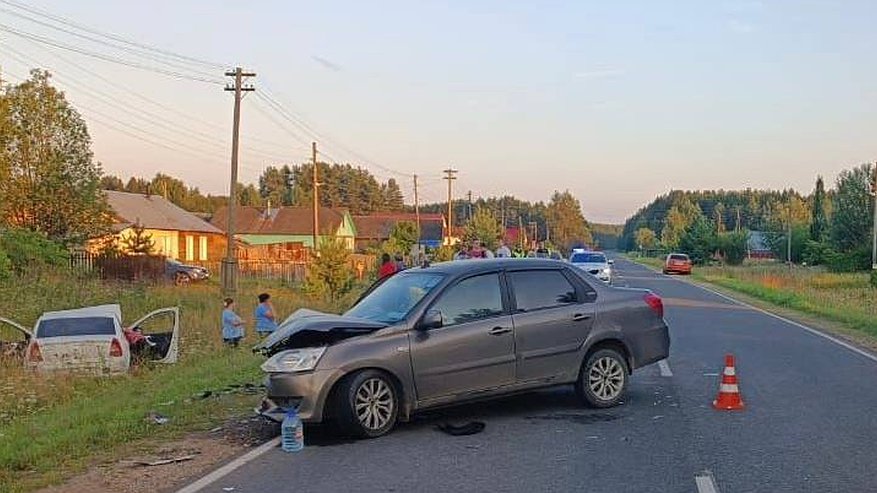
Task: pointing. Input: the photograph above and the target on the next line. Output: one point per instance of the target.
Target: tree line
(830, 227)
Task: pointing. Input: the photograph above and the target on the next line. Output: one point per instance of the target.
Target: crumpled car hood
(310, 328)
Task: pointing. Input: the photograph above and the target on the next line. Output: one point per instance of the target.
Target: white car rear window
(80, 326)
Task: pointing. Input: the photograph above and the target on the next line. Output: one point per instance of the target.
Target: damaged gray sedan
(461, 331)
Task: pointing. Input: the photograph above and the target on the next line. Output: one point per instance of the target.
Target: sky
(616, 102)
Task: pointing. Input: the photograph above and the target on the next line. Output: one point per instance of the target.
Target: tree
(719, 217)
(402, 237)
(248, 195)
(699, 240)
(484, 228)
(851, 215)
(329, 274)
(819, 226)
(681, 216)
(138, 241)
(51, 183)
(732, 246)
(646, 239)
(275, 185)
(393, 199)
(566, 222)
(112, 182)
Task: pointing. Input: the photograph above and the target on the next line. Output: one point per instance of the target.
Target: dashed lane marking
(665, 368)
(706, 483)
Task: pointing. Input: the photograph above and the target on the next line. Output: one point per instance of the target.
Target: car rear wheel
(181, 278)
(603, 378)
(368, 404)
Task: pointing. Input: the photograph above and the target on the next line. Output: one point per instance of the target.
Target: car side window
(538, 289)
(471, 299)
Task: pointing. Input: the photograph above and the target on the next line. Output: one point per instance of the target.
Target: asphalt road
(810, 423)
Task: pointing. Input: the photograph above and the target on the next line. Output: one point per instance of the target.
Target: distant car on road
(677, 263)
(181, 273)
(594, 263)
(93, 340)
(457, 331)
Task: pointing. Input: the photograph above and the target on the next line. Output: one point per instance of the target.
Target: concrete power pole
(417, 210)
(229, 271)
(874, 226)
(469, 219)
(316, 198)
(450, 172)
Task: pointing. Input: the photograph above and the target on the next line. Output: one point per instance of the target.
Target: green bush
(856, 260)
(874, 278)
(817, 252)
(329, 274)
(5, 265)
(732, 246)
(27, 249)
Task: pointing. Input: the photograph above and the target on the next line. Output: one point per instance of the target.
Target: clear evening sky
(615, 101)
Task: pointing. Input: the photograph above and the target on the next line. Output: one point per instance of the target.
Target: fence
(123, 267)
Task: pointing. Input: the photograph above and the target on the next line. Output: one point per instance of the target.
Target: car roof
(112, 311)
(457, 267)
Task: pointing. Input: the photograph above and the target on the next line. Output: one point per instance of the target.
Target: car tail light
(116, 348)
(34, 354)
(655, 303)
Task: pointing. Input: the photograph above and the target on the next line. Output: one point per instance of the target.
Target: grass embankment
(846, 298)
(52, 426)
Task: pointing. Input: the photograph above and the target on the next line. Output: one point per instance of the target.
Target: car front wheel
(603, 379)
(368, 404)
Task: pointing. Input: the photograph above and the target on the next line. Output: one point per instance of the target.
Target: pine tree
(819, 220)
(393, 199)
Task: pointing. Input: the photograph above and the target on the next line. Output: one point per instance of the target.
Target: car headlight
(294, 360)
(607, 270)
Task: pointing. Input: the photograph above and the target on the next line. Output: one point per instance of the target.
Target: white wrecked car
(93, 340)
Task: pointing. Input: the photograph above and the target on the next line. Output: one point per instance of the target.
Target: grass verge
(839, 298)
(53, 426)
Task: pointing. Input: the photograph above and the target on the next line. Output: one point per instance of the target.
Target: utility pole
(417, 210)
(737, 224)
(450, 172)
(789, 234)
(874, 225)
(470, 206)
(229, 271)
(316, 198)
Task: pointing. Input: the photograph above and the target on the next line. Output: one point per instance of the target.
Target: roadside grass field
(52, 426)
(847, 298)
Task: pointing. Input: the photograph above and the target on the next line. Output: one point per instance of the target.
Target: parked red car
(677, 263)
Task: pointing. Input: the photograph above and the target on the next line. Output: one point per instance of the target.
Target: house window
(202, 248)
(168, 246)
(190, 247)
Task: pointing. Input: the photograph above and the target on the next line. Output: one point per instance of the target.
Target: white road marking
(231, 466)
(706, 483)
(665, 368)
(860, 352)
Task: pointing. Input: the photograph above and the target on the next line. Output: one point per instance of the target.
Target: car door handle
(579, 317)
(496, 331)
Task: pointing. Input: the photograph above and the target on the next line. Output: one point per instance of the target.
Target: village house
(284, 233)
(174, 232)
(373, 229)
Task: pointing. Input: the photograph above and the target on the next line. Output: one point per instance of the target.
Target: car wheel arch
(403, 397)
(611, 341)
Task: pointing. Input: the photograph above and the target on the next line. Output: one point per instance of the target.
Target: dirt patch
(203, 452)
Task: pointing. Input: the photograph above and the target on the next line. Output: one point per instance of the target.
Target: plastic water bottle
(291, 432)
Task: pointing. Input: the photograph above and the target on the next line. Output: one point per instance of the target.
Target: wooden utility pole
(874, 225)
(737, 224)
(417, 210)
(229, 271)
(316, 198)
(470, 206)
(450, 172)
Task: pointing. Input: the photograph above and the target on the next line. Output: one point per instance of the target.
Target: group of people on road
(476, 250)
(233, 325)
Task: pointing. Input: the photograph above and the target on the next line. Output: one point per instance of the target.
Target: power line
(107, 58)
(114, 37)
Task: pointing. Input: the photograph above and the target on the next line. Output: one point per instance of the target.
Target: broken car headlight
(294, 360)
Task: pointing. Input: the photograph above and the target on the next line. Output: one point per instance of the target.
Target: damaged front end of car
(295, 349)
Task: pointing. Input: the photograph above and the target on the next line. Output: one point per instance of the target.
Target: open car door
(14, 339)
(162, 330)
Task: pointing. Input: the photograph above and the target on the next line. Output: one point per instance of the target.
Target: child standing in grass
(232, 325)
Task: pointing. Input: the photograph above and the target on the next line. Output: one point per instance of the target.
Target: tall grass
(51, 425)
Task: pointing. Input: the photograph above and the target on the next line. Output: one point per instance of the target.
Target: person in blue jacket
(266, 320)
(232, 325)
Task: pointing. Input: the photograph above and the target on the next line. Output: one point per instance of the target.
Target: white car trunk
(81, 354)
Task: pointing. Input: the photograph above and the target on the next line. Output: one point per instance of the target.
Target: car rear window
(82, 326)
(678, 257)
(588, 258)
(537, 289)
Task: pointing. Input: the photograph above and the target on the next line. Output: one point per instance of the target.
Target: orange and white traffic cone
(729, 393)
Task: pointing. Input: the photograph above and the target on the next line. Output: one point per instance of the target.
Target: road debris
(470, 428)
(658, 417)
(156, 418)
(162, 462)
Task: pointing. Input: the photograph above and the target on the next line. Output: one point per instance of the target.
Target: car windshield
(678, 257)
(588, 258)
(391, 302)
(79, 326)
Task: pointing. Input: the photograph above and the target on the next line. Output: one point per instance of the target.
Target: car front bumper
(306, 391)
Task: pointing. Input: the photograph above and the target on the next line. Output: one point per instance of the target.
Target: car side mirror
(432, 319)
(611, 262)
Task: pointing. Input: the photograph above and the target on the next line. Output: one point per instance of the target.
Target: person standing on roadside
(266, 320)
(503, 251)
(232, 324)
(388, 267)
(400, 262)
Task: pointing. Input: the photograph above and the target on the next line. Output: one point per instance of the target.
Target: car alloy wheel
(606, 378)
(374, 404)
(603, 378)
